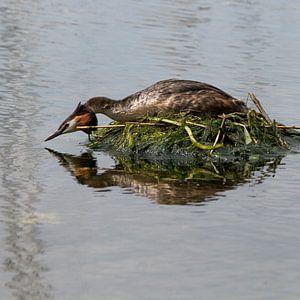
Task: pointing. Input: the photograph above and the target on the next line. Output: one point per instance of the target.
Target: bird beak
(55, 134)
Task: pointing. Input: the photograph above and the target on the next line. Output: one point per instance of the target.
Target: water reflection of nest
(166, 184)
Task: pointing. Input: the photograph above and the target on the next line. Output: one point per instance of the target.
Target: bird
(163, 97)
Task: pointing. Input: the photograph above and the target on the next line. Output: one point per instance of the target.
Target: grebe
(166, 96)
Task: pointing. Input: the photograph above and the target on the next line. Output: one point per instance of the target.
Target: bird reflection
(164, 185)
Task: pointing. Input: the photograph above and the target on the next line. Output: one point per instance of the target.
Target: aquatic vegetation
(193, 135)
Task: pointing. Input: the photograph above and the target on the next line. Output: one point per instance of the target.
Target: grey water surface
(76, 225)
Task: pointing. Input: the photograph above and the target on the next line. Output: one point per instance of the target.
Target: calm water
(75, 224)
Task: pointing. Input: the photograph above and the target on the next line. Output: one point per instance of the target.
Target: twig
(101, 126)
(166, 121)
(196, 124)
(260, 108)
(286, 126)
(120, 125)
(267, 118)
(218, 134)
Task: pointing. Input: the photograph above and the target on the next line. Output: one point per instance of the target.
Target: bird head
(82, 116)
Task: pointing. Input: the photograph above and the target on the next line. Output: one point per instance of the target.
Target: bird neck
(100, 104)
(114, 109)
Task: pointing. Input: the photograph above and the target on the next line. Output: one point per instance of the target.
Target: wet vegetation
(188, 138)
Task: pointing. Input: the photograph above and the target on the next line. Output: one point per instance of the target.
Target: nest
(228, 137)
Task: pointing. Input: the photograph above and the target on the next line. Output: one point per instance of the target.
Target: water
(74, 224)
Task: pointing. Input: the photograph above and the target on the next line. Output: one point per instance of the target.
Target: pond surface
(76, 223)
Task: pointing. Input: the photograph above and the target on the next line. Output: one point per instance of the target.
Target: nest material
(192, 135)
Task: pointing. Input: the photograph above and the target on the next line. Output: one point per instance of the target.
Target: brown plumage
(167, 96)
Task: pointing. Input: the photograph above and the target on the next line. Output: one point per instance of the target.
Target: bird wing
(163, 89)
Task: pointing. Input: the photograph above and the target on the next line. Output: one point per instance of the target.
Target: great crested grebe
(166, 96)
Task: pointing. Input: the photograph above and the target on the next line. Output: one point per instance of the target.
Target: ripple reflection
(22, 247)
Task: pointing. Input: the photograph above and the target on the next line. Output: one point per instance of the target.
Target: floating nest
(188, 138)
